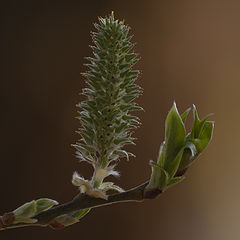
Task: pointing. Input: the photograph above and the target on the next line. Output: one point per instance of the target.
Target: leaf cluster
(179, 149)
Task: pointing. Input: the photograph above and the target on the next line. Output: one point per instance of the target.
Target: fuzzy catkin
(106, 122)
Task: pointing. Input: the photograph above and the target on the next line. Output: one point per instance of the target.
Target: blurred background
(190, 53)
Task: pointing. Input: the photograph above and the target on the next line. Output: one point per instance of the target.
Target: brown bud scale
(8, 218)
(56, 225)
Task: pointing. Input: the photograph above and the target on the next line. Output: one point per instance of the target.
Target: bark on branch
(83, 201)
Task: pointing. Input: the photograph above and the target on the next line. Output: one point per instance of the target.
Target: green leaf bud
(66, 220)
(44, 204)
(25, 213)
(27, 210)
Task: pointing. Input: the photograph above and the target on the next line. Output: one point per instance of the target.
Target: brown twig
(83, 201)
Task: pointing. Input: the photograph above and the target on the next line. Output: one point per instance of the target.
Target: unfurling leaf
(159, 178)
(44, 204)
(204, 137)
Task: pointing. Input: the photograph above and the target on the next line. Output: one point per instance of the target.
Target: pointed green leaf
(204, 137)
(185, 114)
(197, 123)
(174, 136)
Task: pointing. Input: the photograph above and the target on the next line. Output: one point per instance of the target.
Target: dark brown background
(190, 53)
